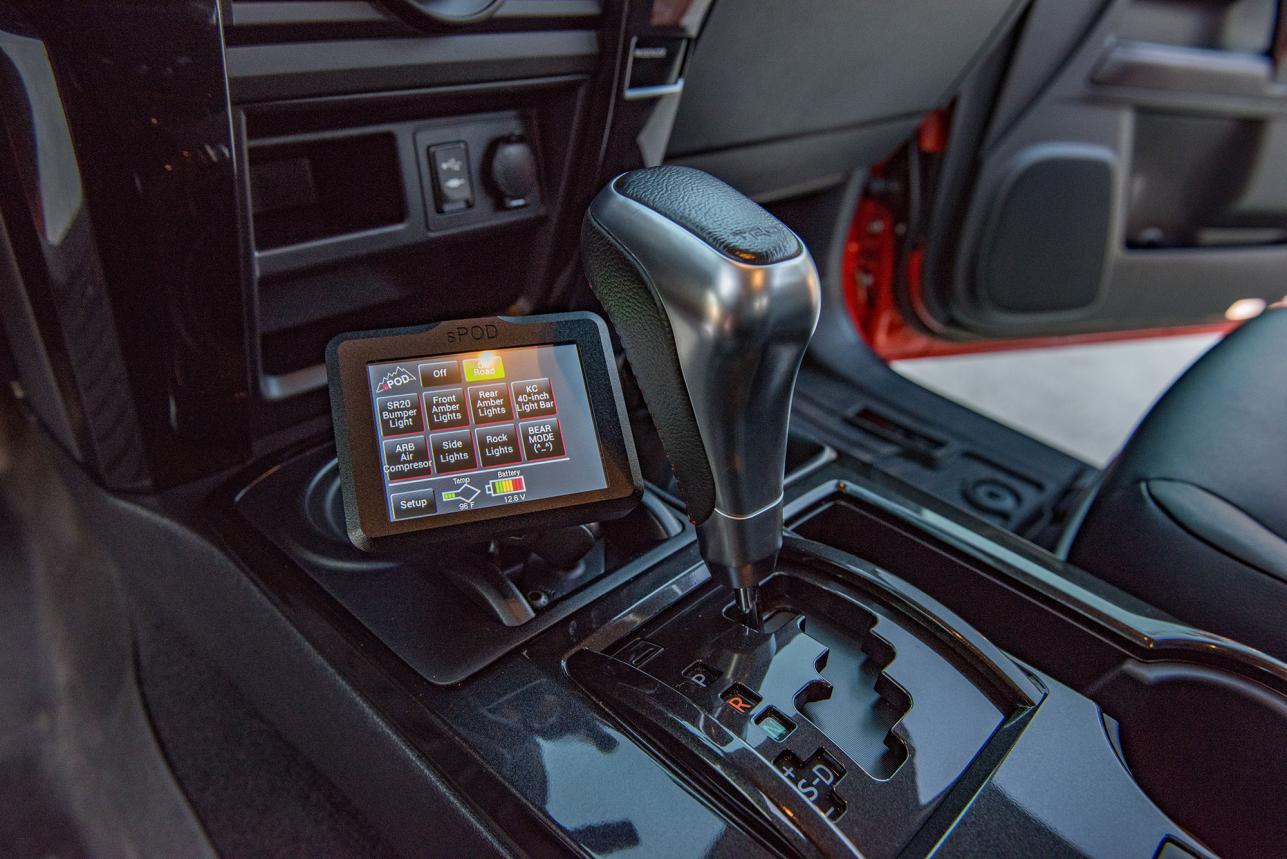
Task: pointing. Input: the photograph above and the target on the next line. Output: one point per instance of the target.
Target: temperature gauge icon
(466, 493)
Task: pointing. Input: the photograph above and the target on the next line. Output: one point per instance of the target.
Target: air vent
(438, 13)
(266, 21)
(286, 49)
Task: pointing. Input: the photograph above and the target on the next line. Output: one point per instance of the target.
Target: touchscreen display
(472, 430)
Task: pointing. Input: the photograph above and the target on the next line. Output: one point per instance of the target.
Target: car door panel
(1140, 182)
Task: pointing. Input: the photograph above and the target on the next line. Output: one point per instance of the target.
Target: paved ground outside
(1081, 399)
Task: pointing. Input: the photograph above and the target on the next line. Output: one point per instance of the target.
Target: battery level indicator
(507, 486)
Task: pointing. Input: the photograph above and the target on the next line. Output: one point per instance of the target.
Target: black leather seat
(1192, 516)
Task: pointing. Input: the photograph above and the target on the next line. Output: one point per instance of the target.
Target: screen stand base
(555, 562)
(492, 591)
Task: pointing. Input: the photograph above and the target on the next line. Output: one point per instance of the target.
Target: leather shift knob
(715, 301)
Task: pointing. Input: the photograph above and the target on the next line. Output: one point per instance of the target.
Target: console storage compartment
(322, 187)
(414, 605)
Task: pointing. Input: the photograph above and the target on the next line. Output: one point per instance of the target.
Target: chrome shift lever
(714, 300)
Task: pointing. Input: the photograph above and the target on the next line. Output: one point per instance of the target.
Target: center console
(790, 672)
(867, 719)
(638, 710)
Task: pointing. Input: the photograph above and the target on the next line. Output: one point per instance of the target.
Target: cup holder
(324, 504)
(651, 523)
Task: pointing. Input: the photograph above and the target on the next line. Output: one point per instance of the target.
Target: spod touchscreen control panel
(473, 428)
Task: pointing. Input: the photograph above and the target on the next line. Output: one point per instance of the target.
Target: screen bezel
(361, 471)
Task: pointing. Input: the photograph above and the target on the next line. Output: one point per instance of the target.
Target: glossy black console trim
(1146, 638)
(58, 315)
(143, 90)
(281, 14)
(404, 699)
(822, 457)
(297, 70)
(716, 761)
(456, 729)
(732, 773)
(927, 612)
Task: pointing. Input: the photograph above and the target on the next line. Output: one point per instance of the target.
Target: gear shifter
(714, 300)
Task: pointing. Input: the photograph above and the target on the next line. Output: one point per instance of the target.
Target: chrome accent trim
(642, 92)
